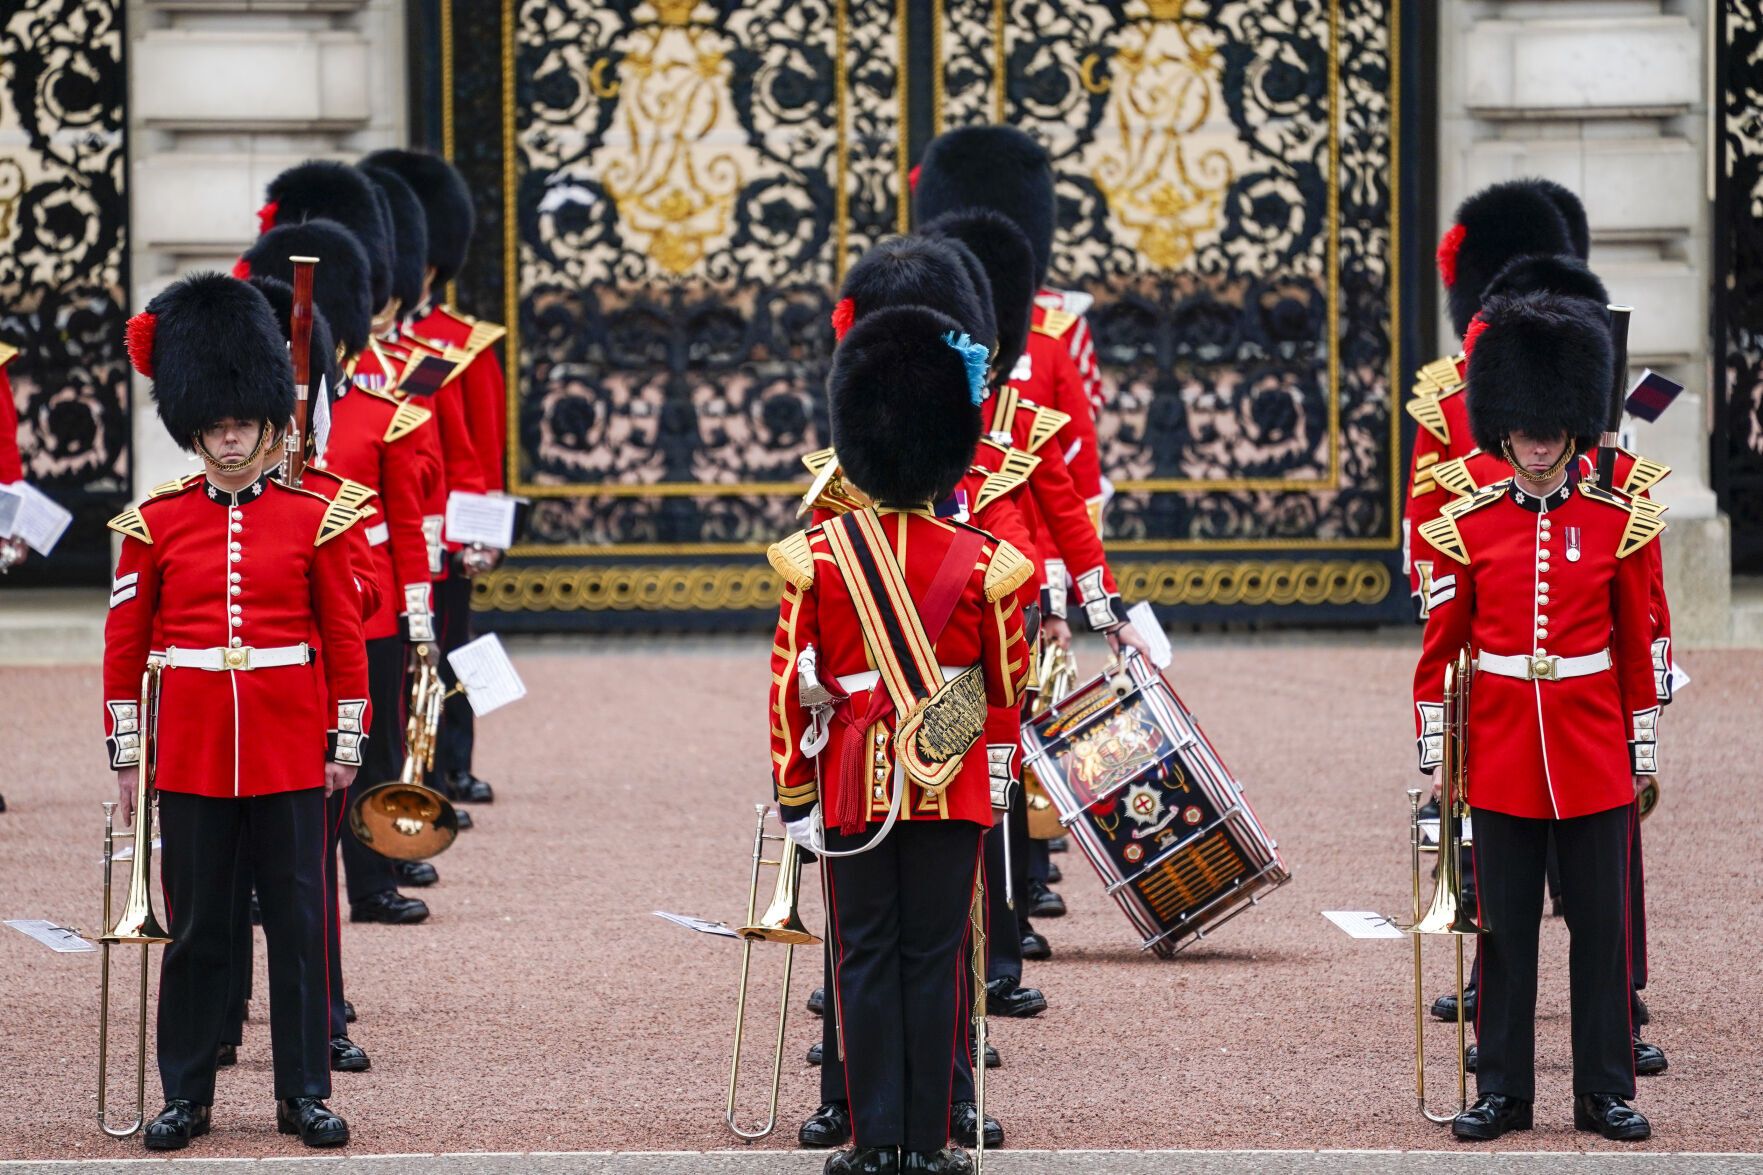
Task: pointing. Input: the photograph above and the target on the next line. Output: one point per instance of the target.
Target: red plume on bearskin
(266, 216)
(138, 340)
(242, 269)
(1448, 246)
(1476, 326)
(844, 314)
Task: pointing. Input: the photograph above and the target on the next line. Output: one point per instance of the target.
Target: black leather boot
(388, 906)
(1445, 1007)
(348, 1057)
(817, 1001)
(1492, 1115)
(828, 1126)
(1005, 996)
(463, 785)
(964, 1118)
(951, 1160)
(176, 1125)
(864, 1160)
(1649, 1059)
(312, 1120)
(1609, 1115)
(416, 873)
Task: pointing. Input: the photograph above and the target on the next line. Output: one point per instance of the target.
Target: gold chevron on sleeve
(1017, 466)
(1646, 474)
(1426, 409)
(793, 558)
(1443, 536)
(406, 420)
(1047, 422)
(1646, 522)
(1454, 475)
(131, 523)
(337, 519)
(354, 496)
(1441, 372)
(482, 335)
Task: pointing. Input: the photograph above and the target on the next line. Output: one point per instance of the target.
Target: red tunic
(11, 469)
(1079, 342)
(373, 441)
(985, 628)
(484, 389)
(1563, 580)
(1442, 408)
(361, 539)
(205, 573)
(1047, 375)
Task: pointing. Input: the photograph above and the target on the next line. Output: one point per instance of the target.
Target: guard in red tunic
(916, 627)
(233, 583)
(469, 343)
(12, 551)
(1519, 218)
(1547, 588)
(368, 445)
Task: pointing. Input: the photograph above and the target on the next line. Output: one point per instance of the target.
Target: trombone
(137, 923)
(403, 818)
(1448, 913)
(781, 922)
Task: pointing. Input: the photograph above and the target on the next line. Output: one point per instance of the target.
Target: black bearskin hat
(210, 344)
(987, 331)
(1492, 227)
(1541, 366)
(1009, 262)
(1572, 210)
(410, 236)
(903, 417)
(322, 352)
(446, 202)
(336, 192)
(1554, 273)
(914, 271)
(996, 167)
(339, 280)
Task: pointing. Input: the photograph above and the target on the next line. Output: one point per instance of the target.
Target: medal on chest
(1572, 533)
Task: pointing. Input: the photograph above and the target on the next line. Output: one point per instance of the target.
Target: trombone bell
(782, 920)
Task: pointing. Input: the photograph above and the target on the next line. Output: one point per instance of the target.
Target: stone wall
(1609, 97)
(223, 95)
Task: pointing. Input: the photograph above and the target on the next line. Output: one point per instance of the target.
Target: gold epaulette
(1047, 422)
(7, 353)
(354, 495)
(1008, 570)
(818, 460)
(1424, 474)
(1442, 533)
(1426, 409)
(379, 393)
(1440, 373)
(482, 333)
(1646, 518)
(174, 485)
(337, 519)
(1454, 475)
(1054, 323)
(1645, 474)
(793, 559)
(1016, 468)
(131, 523)
(406, 420)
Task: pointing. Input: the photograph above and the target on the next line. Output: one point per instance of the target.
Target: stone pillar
(1610, 100)
(224, 94)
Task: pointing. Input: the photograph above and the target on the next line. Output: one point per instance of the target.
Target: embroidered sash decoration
(941, 720)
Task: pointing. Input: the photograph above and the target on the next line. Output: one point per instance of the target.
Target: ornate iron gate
(689, 179)
(1738, 286)
(63, 265)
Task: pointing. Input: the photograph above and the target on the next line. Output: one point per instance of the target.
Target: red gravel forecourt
(544, 1007)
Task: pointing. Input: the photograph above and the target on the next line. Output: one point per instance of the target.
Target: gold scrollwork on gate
(1275, 581)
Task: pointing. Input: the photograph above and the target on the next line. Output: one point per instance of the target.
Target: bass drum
(1135, 782)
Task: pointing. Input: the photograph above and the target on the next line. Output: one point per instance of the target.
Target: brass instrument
(1055, 678)
(1649, 796)
(1448, 913)
(781, 922)
(976, 924)
(137, 924)
(403, 818)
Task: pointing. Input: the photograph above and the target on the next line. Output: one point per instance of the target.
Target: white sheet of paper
(480, 518)
(40, 520)
(1679, 678)
(720, 929)
(1363, 923)
(490, 679)
(321, 417)
(1144, 618)
(57, 938)
(10, 504)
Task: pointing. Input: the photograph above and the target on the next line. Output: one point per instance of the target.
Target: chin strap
(1554, 471)
(231, 467)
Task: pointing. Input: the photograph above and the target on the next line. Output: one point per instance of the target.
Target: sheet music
(59, 939)
(720, 929)
(489, 677)
(38, 519)
(1363, 923)
(480, 518)
(1144, 618)
(10, 504)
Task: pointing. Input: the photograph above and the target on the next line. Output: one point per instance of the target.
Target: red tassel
(844, 314)
(912, 179)
(242, 269)
(138, 340)
(1448, 246)
(1476, 326)
(266, 216)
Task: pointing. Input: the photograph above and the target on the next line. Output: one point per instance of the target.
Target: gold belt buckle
(236, 658)
(1545, 668)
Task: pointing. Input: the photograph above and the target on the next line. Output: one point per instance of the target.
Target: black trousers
(899, 920)
(283, 838)
(1003, 940)
(457, 735)
(1510, 856)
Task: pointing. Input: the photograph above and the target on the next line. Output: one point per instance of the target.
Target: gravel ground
(544, 1007)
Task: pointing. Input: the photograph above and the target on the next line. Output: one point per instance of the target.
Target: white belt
(1543, 668)
(245, 657)
(378, 534)
(853, 683)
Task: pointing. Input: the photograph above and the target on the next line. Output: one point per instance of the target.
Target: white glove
(806, 832)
